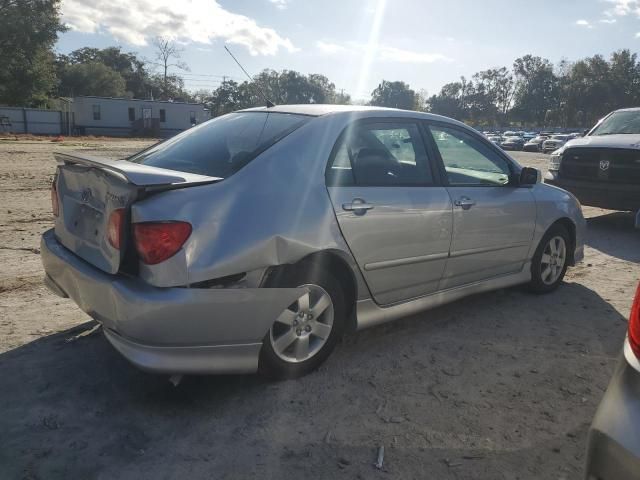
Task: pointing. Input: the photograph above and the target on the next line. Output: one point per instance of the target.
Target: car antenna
(268, 102)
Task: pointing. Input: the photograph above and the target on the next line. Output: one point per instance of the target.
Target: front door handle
(465, 202)
(357, 206)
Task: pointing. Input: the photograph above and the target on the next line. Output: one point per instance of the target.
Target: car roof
(632, 109)
(318, 109)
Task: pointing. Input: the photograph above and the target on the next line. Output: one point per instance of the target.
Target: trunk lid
(90, 189)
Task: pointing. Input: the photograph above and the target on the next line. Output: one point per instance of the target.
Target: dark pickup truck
(602, 169)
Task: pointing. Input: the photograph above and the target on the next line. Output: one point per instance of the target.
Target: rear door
(493, 220)
(391, 208)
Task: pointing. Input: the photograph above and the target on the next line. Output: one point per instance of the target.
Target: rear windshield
(222, 146)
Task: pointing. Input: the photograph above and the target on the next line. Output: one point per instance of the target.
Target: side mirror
(529, 176)
(584, 133)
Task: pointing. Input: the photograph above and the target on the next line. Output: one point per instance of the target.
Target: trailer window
(96, 112)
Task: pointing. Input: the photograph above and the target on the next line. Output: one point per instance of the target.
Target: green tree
(28, 31)
(127, 64)
(449, 102)
(393, 94)
(536, 88)
(93, 78)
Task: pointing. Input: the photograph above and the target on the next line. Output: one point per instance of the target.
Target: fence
(31, 120)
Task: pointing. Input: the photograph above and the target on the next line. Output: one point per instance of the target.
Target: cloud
(201, 21)
(623, 8)
(608, 20)
(637, 35)
(383, 53)
(584, 23)
(330, 48)
(280, 4)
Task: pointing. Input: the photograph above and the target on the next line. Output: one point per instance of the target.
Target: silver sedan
(253, 241)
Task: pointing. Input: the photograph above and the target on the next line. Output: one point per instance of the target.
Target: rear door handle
(358, 206)
(465, 202)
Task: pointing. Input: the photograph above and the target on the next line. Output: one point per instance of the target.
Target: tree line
(533, 91)
(538, 93)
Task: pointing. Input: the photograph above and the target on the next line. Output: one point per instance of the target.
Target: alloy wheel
(553, 260)
(303, 328)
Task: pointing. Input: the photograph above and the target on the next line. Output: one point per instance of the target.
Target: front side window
(380, 154)
(222, 146)
(468, 160)
(96, 112)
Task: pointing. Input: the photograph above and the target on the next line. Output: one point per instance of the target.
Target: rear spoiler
(137, 174)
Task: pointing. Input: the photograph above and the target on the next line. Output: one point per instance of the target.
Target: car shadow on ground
(615, 234)
(499, 383)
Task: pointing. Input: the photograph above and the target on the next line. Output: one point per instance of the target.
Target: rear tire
(550, 262)
(307, 331)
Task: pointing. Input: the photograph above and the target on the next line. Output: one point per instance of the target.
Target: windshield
(222, 146)
(619, 123)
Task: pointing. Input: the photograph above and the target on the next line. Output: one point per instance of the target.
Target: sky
(355, 43)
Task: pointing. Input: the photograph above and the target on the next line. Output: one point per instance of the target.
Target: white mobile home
(131, 117)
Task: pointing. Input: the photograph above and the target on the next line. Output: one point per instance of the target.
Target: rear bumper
(172, 330)
(609, 196)
(613, 447)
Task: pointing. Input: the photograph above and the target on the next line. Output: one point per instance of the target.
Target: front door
(493, 220)
(146, 117)
(394, 215)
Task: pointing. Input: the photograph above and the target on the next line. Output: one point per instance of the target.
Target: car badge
(86, 195)
(604, 165)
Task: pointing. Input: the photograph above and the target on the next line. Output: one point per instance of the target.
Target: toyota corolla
(253, 241)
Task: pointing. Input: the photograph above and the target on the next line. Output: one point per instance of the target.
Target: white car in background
(555, 142)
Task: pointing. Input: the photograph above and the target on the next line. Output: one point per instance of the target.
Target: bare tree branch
(167, 51)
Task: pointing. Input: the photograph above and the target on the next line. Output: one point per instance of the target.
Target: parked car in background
(496, 140)
(602, 168)
(613, 446)
(529, 135)
(554, 142)
(254, 240)
(534, 144)
(513, 143)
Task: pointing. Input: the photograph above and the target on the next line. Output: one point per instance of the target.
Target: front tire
(550, 262)
(306, 332)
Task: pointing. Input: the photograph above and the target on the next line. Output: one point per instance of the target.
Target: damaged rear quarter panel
(274, 211)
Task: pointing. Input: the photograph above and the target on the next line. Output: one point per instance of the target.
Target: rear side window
(222, 146)
(380, 154)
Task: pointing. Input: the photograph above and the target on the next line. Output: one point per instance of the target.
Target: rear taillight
(158, 241)
(55, 206)
(115, 227)
(634, 325)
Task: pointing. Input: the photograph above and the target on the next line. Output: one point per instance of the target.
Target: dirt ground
(499, 386)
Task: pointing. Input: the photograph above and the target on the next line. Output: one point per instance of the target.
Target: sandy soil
(500, 386)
